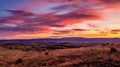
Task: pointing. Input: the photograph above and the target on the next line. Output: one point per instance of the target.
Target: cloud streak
(30, 21)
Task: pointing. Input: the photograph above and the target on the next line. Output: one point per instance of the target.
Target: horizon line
(60, 38)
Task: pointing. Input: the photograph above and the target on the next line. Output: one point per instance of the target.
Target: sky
(33, 19)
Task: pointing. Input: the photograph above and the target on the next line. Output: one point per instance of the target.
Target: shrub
(10, 47)
(18, 61)
(113, 49)
(46, 53)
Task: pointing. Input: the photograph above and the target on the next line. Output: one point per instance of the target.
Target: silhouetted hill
(71, 40)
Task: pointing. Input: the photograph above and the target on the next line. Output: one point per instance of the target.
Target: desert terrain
(107, 55)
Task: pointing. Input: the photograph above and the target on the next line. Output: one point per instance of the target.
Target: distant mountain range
(71, 40)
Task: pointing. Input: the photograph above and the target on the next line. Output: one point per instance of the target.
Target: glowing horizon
(28, 19)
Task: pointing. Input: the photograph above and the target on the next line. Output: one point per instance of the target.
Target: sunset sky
(32, 19)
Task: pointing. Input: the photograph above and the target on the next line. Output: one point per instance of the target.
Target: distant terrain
(42, 55)
(70, 40)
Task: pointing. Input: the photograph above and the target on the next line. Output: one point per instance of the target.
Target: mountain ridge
(71, 39)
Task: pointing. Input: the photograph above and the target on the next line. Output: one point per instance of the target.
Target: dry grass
(96, 56)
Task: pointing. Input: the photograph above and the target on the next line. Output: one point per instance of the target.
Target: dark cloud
(56, 25)
(81, 29)
(66, 7)
(21, 29)
(55, 36)
(92, 26)
(111, 1)
(70, 31)
(62, 32)
(115, 31)
(31, 22)
(75, 15)
(107, 1)
(49, 17)
(44, 22)
(62, 1)
(20, 12)
(53, 20)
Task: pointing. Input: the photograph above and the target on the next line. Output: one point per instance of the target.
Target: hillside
(93, 56)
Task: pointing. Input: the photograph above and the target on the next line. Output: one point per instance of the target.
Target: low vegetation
(89, 56)
(113, 49)
(36, 46)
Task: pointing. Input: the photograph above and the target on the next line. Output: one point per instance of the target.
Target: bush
(113, 49)
(46, 53)
(18, 61)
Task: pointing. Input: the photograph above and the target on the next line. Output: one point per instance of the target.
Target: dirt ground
(92, 56)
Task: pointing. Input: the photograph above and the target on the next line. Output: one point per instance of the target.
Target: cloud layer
(60, 17)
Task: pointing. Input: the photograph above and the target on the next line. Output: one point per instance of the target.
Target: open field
(91, 56)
